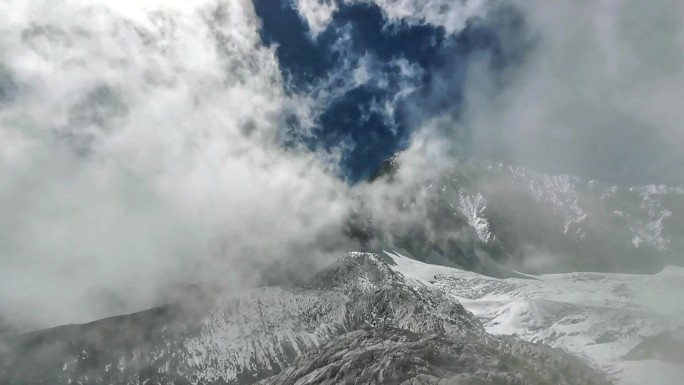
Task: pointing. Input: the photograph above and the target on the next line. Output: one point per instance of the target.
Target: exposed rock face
(396, 356)
(359, 305)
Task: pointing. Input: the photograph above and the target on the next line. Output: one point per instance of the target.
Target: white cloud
(317, 13)
(597, 95)
(140, 150)
(450, 14)
(139, 139)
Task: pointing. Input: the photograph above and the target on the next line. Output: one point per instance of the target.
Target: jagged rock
(396, 356)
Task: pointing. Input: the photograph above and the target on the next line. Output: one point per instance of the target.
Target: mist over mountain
(177, 152)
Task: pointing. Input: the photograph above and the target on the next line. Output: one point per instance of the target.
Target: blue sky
(360, 34)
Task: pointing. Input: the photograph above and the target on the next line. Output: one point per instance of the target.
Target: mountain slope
(630, 325)
(396, 356)
(252, 336)
(492, 218)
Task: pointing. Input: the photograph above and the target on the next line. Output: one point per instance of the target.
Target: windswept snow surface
(609, 320)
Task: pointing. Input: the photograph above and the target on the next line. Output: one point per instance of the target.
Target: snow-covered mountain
(382, 320)
(227, 143)
(631, 326)
(362, 318)
(489, 217)
(390, 319)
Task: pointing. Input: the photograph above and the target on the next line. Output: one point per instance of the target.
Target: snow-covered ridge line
(566, 196)
(475, 212)
(604, 318)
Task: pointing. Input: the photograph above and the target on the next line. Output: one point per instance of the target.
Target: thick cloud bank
(140, 148)
(598, 95)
